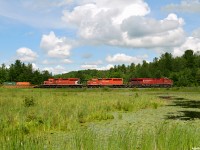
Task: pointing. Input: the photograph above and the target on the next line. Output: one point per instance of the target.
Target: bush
(29, 101)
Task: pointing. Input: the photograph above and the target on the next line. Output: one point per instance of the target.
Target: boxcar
(150, 82)
(23, 83)
(9, 83)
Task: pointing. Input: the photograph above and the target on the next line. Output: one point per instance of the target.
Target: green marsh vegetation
(99, 119)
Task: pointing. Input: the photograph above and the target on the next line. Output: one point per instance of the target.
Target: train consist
(107, 82)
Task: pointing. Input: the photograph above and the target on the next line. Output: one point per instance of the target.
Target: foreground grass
(60, 119)
(164, 136)
(48, 110)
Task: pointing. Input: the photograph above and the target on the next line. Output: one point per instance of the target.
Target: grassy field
(110, 119)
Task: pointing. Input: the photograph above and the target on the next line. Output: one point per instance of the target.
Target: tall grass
(58, 110)
(164, 136)
(60, 119)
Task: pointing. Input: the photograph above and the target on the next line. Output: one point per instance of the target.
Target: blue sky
(66, 35)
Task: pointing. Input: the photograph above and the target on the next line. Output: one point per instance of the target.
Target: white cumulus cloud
(192, 6)
(140, 26)
(124, 23)
(66, 61)
(123, 58)
(107, 67)
(26, 54)
(99, 21)
(97, 67)
(56, 47)
(150, 33)
(89, 66)
(35, 67)
(56, 70)
(192, 43)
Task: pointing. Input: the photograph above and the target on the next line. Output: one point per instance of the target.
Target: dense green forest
(19, 72)
(184, 70)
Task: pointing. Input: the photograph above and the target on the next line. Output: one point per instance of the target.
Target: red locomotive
(62, 83)
(102, 82)
(150, 82)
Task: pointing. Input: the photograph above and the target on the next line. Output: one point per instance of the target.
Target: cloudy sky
(65, 35)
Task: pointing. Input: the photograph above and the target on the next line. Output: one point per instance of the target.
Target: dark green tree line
(20, 72)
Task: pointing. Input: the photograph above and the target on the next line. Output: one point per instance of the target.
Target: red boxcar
(150, 82)
(100, 82)
(62, 82)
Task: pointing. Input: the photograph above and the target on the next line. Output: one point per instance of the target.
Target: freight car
(105, 82)
(61, 83)
(150, 82)
(17, 85)
(23, 83)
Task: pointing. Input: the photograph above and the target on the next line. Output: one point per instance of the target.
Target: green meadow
(100, 119)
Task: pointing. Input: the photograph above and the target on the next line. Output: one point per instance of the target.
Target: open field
(150, 119)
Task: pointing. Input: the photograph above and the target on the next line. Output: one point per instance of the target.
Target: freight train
(107, 82)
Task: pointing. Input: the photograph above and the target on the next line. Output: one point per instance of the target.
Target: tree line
(21, 72)
(183, 70)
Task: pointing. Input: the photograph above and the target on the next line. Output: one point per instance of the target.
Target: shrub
(29, 101)
(136, 95)
(155, 105)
